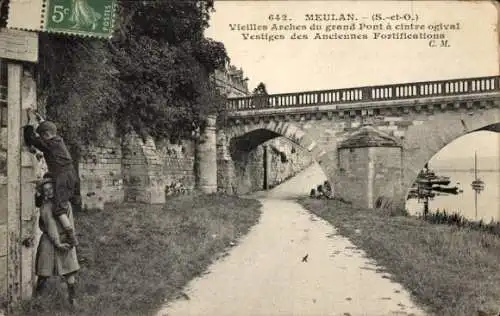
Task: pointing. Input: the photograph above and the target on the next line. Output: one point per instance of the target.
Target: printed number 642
(58, 13)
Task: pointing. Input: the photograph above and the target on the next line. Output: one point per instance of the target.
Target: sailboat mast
(475, 165)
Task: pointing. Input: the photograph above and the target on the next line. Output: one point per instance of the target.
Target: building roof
(368, 136)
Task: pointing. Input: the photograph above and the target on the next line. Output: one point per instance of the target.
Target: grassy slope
(135, 256)
(452, 271)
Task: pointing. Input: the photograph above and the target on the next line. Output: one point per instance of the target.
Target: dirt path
(266, 275)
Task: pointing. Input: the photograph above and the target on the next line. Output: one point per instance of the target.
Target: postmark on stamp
(93, 18)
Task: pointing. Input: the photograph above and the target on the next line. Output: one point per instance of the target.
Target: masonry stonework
(423, 126)
(207, 157)
(100, 170)
(245, 169)
(153, 170)
(387, 176)
(225, 165)
(352, 177)
(129, 168)
(249, 171)
(286, 160)
(369, 160)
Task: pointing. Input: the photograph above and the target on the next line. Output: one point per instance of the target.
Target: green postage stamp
(94, 18)
(80, 17)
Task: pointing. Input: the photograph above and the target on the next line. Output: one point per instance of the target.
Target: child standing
(61, 168)
(54, 257)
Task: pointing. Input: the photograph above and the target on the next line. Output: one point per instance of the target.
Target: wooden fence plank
(13, 182)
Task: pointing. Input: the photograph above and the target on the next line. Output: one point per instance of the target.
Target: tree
(260, 96)
(169, 93)
(78, 84)
(152, 77)
(260, 89)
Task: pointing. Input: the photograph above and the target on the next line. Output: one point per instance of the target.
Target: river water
(488, 205)
(487, 201)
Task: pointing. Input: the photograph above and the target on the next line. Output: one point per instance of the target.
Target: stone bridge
(413, 120)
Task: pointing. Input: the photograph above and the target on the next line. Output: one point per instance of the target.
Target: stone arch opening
(244, 146)
(437, 136)
(249, 141)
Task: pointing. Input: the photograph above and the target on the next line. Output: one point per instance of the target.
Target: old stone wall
(366, 175)
(142, 170)
(225, 165)
(178, 166)
(286, 160)
(129, 168)
(249, 171)
(387, 169)
(246, 170)
(100, 170)
(353, 175)
(154, 170)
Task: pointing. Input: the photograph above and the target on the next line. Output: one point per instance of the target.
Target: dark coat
(60, 166)
(54, 150)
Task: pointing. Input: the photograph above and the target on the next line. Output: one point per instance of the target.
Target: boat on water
(437, 180)
(452, 190)
(429, 185)
(429, 177)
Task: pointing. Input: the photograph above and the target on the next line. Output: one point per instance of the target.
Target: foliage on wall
(151, 77)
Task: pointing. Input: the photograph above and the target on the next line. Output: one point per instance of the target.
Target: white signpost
(19, 45)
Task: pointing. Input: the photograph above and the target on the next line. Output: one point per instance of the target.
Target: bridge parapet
(348, 96)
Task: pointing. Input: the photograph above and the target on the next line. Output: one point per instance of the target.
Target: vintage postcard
(249, 158)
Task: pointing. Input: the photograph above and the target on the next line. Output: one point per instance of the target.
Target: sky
(301, 65)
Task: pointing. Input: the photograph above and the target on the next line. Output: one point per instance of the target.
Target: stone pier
(369, 162)
(207, 158)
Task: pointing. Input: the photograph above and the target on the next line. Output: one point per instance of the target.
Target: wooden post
(3, 201)
(20, 223)
(266, 167)
(13, 183)
(28, 216)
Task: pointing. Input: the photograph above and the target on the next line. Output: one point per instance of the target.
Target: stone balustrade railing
(367, 94)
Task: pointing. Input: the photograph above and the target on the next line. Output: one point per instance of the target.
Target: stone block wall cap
(211, 120)
(369, 136)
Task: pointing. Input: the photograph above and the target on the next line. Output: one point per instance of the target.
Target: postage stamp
(80, 17)
(94, 18)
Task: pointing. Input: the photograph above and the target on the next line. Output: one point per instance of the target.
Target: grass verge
(136, 256)
(450, 270)
(438, 217)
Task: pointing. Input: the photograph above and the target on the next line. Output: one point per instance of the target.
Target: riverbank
(135, 256)
(451, 270)
(458, 220)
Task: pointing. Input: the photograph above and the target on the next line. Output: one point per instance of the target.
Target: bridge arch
(426, 116)
(242, 139)
(437, 133)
